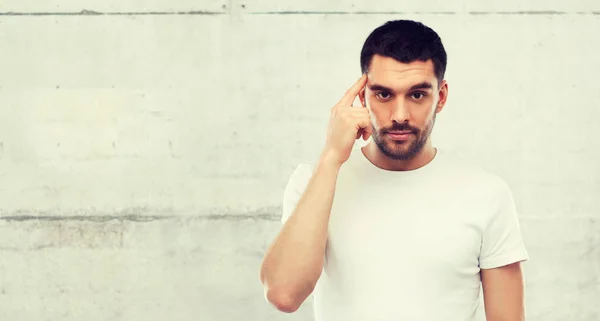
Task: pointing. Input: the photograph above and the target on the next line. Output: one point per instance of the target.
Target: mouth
(399, 135)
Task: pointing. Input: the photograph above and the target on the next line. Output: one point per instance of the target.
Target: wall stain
(86, 12)
(526, 12)
(140, 218)
(79, 218)
(140, 215)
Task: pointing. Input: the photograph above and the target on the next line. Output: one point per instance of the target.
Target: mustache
(400, 127)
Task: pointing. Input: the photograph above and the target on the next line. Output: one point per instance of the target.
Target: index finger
(353, 91)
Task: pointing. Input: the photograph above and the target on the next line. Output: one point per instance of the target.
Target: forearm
(294, 261)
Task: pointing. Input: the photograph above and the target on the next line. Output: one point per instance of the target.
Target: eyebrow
(423, 85)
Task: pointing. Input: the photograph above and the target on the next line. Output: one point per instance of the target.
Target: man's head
(405, 62)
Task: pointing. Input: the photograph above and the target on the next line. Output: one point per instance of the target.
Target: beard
(403, 150)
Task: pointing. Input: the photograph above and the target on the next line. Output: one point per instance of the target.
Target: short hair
(405, 41)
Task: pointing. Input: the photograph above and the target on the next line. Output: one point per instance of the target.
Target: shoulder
(468, 173)
(297, 182)
(303, 171)
(300, 176)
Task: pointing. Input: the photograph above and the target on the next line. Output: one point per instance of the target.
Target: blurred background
(145, 145)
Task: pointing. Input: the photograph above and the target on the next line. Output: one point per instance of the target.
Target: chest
(404, 231)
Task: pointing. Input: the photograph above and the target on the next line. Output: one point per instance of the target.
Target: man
(397, 229)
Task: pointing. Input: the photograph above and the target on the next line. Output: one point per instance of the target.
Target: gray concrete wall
(144, 145)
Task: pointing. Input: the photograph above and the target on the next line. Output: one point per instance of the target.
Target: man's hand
(347, 124)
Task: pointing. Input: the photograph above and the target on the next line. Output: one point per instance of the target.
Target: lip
(399, 135)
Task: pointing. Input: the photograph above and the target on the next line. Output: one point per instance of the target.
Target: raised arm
(293, 262)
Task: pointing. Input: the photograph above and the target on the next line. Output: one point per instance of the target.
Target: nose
(400, 112)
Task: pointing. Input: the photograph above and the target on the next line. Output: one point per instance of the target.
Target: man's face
(403, 100)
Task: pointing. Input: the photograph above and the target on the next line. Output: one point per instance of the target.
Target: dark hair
(405, 41)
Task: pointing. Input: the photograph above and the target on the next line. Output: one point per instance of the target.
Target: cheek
(378, 115)
(425, 111)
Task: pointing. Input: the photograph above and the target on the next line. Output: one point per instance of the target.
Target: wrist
(330, 160)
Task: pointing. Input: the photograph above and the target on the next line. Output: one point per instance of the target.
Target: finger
(362, 122)
(353, 91)
(368, 132)
(356, 111)
(359, 115)
(366, 128)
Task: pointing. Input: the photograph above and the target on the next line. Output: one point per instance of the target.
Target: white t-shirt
(409, 245)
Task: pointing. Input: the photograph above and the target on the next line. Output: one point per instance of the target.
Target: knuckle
(335, 111)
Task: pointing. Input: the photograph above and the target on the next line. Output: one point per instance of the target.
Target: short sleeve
(294, 189)
(502, 242)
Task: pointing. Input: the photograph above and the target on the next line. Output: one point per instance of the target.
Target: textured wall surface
(145, 145)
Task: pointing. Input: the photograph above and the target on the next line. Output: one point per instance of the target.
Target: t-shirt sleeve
(294, 189)
(502, 242)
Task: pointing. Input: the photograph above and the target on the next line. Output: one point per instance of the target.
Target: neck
(375, 156)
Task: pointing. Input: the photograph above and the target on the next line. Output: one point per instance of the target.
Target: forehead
(391, 73)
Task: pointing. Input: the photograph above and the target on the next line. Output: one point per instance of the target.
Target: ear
(361, 96)
(443, 96)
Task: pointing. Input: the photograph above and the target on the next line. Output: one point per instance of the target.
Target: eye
(418, 95)
(383, 95)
